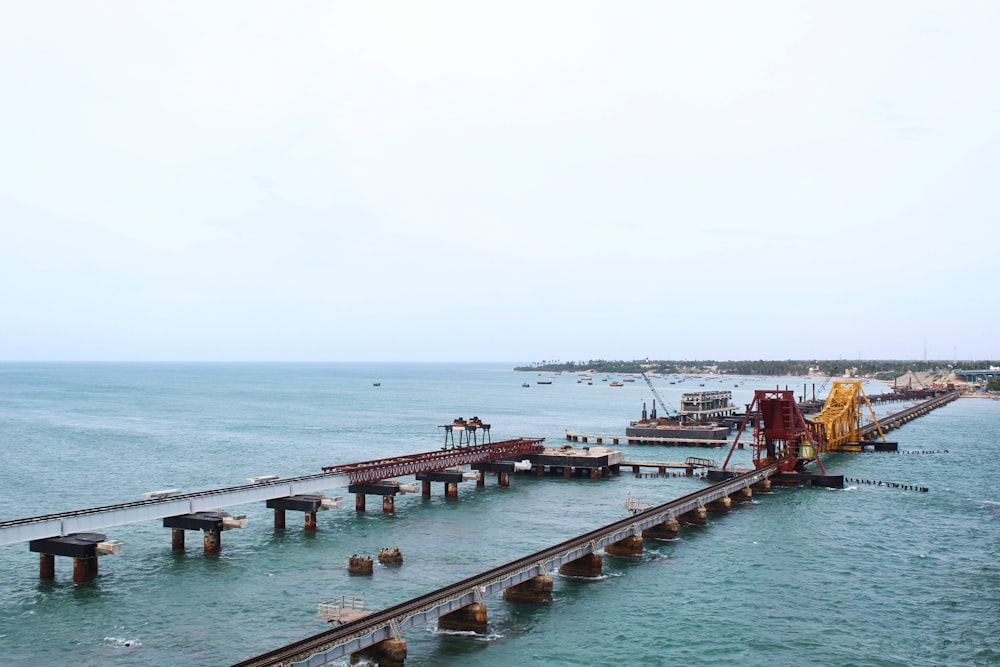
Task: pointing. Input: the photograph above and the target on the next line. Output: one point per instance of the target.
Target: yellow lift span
(841, 417)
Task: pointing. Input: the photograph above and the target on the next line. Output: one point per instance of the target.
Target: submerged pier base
(630, 546)
(663, 531)
(536, 589)
(590, 565)
(470, 618)
(698, 516)
(386, 653)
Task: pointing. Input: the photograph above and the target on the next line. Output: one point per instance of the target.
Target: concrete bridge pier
(387, 653)
(503, 479)
(630, 546)
(743, 495)
(210, 523)
(83, 548)
(308, 504)
(425, 488)
(536, 589)
(720, 505)
(470, 618)
(588, 565)
(451, 479)
(387, 490)
(663, 531)
(763, 485)
(698, 516)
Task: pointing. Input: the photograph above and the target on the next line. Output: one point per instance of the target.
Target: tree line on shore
(882, 369)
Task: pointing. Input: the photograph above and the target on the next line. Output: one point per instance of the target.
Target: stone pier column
(450, 490)
(589, 565)
(425, 488)
(387, 653)
(470, 618)
(481, 479)
(536, 589)
(503, 479)
(310, 526)
(388, 504)
(721, 505)
(279, 519)
(743, 495)
(664, 531)
(359, 502)
(698, 516)
(46, 566)
(213, 541)
(630, 546)
(177, 539)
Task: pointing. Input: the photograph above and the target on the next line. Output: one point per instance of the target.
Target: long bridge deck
(339, 642)
(96, 518)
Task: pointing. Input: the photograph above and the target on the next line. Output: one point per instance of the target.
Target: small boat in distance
(616, 384)
(525, 384)
(376, 384)
(544, 382)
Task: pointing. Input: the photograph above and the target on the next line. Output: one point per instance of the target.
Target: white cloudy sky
(508, 181)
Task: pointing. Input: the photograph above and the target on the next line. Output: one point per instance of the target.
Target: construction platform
(655, 436)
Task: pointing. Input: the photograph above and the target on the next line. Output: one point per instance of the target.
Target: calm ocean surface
(863, 576)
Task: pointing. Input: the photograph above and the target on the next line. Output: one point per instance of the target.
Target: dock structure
(676, 441)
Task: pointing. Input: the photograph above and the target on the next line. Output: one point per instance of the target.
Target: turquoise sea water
(863, 576)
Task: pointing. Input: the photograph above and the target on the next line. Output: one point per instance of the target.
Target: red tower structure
(782, 435)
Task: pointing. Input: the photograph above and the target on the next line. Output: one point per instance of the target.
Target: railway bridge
(461, 604)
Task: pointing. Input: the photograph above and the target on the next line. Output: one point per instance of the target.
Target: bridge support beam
(386, 653)
(663, 531)
(359, 502)
(630, 546)
(279, 519)
(310, 523)
(536, 589)
(589, 565)
(425, 488)
(470, 618)
(698, 516)
(763, 485)
(388, 504)
(503, 479)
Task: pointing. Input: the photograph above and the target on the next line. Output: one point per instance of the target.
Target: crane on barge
(657, 397)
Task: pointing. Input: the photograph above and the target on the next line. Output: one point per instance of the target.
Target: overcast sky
(515, 181)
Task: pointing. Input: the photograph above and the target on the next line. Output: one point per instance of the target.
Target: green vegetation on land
(879, 369)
